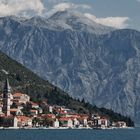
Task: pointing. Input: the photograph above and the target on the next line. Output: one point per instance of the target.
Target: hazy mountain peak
(65, 15)
(78, 21)
(61, 20)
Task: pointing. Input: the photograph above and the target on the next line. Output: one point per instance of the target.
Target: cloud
(56, 1)
(21, 7)
(65, 6)
(116, 22)
(29, 8)
(138, 0)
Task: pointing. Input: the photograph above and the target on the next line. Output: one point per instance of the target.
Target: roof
(63, 112)
(48, 116)
(65, 118)
(84, 116)
(103, 118)
(18, 94)
(23, 118)
(33, 110)
(14, 110)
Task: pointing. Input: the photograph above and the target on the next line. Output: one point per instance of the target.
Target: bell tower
(6, 98)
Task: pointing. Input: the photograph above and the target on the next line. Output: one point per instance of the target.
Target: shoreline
(63, 128)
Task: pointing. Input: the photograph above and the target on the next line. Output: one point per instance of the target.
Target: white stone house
(76, 122)
(56, 124)
(66, 122)
(21, 98)
(24, 121)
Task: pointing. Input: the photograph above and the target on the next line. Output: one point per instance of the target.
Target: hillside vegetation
(22, 79)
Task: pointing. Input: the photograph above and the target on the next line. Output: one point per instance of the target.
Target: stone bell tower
(6, 98)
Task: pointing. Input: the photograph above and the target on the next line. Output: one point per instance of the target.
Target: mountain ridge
(62, 20)
(102, 68)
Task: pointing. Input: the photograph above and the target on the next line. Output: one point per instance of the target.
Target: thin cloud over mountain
(117, 22)
(29, 8)
(65, 6)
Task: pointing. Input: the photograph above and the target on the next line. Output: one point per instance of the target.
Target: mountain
(85, 59)
(77, 21)
(23, 80)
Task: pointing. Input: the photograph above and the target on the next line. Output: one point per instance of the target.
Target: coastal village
(17, 110)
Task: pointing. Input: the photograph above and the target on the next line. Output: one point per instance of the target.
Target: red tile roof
(23, 118)
(14, 110)
(18, 94)
(65, 118)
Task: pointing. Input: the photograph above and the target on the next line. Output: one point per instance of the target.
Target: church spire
(7, 87)
(6, 98)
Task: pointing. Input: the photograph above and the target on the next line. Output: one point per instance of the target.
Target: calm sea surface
(120, 134)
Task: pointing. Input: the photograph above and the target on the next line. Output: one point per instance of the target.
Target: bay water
(70, 134)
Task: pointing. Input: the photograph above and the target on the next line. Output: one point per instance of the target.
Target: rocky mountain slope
(22, 79)
(83, 58)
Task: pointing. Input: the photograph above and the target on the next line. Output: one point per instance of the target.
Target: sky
(114, 13)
